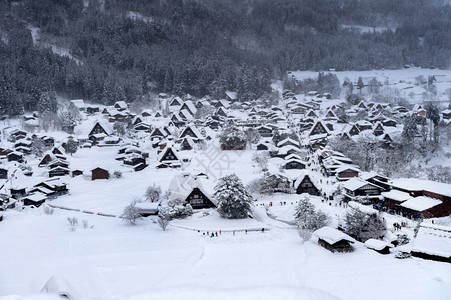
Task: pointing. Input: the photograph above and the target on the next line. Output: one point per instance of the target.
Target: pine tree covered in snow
(233, 200)
(232, 139)
(410, 129)
(362, 226)
(47, 102)
(308, 218)
(71, 146)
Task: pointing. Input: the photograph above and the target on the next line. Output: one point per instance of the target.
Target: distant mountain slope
(128, 48)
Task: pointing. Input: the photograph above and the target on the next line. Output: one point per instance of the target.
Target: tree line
(131, 48)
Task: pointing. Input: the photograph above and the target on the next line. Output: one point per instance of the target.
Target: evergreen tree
(362, 226)
(232, 139)
(71, 146)
(433, 114)
(37, 147)
(233, 200)
(308, 218)
(360, 84)
(47, 102)
(410, 129)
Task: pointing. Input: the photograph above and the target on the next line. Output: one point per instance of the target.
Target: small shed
(99, 173)
(35, 199)
(378, 246)
(334, 240)
(148, 208)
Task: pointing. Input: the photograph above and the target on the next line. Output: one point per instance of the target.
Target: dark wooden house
(378, 246)
(318, 128)
(99, 173)
(15, 156)
(334, 240)
(58, 171)
(198, 199)
(35, 199)
(294, 164)
(346, 172)
(356, 187)
(304, 184)
(3, 173)
(378, 129)
(262, 146)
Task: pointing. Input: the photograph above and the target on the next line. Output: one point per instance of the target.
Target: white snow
(332, 235)
(376, 244)
(416, 184)
(420, 203)
(434, 240)
(396, 195)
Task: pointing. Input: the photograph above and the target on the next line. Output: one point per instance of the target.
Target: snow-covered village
(208, 184)
(152, 150)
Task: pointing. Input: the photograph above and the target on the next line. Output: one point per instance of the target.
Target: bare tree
(153, 193)
(131, 214)
(262, 160)
(163, 223)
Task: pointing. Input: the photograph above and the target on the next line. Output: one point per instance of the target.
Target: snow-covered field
(115, 259)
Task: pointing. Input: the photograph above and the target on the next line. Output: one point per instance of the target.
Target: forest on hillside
(129, 49)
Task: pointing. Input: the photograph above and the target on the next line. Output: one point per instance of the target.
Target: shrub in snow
(72, 223)
(402, 255)
(261, 158)
(305, 234)
(117, 174)
(362, 226)
(85, 224)
(365, 200)
(48, 210)
(163, 223)
(131, 214)
(232, 199)
(403, 239)
(308, 218)
(232, 139)
(177, 211)
(153, 193)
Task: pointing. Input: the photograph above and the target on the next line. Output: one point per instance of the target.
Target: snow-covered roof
(396, 195)
(332, 235)
(232, 95)
(433, 239)
(347, 167)
(363, 208)
(36, 197)
(376, 244)
(420, 203)
(78, 103)
(414, 184)
(121, 104)
(183, 184)
(356, 183)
